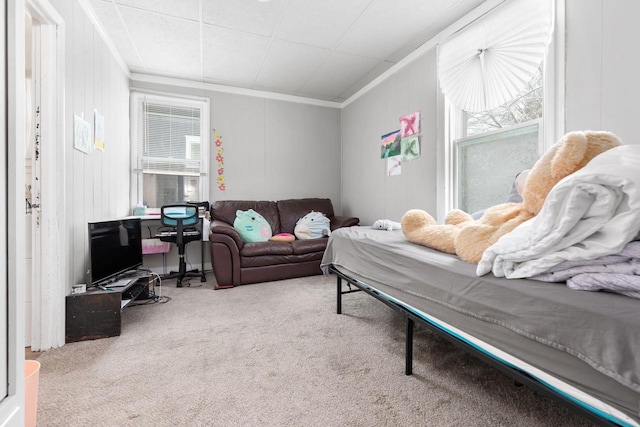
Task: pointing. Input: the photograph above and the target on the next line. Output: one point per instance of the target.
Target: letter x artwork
(410, 143)
(402, 145)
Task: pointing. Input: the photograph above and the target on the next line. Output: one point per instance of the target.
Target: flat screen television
(114, 248)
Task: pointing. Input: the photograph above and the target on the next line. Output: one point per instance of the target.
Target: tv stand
(97, 313)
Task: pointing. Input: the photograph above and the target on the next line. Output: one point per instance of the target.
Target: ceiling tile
(455, 11)
(318, 23)
(187, 9)
(288, 65)
(367, 78)
(112, 24)
(165, 43)
(387, 25)
(251, 16)
(233, 55)
(326, 49)
(337, 74)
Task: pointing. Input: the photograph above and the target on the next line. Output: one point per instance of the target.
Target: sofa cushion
(225, 210)
(292, 210)
(270, 260)
(309, 246)
(266, 248)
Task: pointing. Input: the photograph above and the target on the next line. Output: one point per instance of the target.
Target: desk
(205, 235)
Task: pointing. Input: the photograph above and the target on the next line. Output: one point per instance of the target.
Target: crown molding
(170, 81)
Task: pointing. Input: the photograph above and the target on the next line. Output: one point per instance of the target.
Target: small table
(97, 313)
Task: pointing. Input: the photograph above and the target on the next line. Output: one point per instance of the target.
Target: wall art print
(222, 186)
(394, 165)
(410, 124)
(410, 148)
(98, 130)
(81, 134)
(390, 144)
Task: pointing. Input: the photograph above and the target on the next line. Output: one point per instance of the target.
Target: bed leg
(408, 369)
(339, 299)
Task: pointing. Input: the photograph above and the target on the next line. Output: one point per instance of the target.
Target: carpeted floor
(276, 354)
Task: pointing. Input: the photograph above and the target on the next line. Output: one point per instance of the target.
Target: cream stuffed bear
(469, 238)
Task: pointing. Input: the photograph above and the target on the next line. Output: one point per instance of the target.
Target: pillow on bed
(252, 226)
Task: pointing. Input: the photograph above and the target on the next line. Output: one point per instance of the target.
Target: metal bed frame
(411, 318)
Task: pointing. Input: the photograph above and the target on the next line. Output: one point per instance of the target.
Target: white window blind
(169, 149)
(487, 63)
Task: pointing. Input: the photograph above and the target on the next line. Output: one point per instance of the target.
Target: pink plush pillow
(283, 237)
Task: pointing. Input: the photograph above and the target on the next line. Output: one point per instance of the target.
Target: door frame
(50, 263)
(12, 125)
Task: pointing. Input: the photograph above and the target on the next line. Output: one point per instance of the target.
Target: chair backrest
(179, 215)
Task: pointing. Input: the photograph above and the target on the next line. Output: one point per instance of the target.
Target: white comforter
(591, 213)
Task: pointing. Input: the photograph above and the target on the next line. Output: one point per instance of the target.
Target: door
(32, 167)
(4, 340)
(45, 179)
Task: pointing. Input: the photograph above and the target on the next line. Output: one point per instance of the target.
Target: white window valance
(489, 61)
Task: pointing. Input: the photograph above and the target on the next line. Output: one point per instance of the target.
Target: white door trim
(48, 293)
(12, 139)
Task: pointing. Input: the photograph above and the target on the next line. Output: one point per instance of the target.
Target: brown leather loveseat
(235, 262)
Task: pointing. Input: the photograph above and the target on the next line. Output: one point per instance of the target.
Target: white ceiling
(322, 49)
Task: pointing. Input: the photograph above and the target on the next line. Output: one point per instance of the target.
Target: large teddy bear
(469, 238)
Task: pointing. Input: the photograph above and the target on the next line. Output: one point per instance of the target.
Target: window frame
(136, 112)
(552, 124)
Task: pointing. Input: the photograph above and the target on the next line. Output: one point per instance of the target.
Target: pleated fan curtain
(487, 63)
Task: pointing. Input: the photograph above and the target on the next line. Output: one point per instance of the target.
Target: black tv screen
(114, 248)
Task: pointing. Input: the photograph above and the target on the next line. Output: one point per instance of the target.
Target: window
(495, 145)
(169, 149)
(492, 75)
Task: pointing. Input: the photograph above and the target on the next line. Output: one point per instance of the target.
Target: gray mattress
(589, 340)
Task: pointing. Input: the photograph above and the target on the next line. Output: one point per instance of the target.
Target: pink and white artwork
(394, 165)
(410, 124)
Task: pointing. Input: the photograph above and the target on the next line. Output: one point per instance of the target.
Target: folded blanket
(591, 213)
(618, 273)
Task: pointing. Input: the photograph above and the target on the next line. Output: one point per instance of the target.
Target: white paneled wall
(366, 190)
(602, 89)
(96, 184)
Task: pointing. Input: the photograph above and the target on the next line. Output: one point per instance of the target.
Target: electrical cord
(153, 297)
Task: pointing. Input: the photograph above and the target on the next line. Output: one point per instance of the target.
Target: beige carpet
(277, 354)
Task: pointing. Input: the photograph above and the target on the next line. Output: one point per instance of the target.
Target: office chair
(205, 237)
(181, 220)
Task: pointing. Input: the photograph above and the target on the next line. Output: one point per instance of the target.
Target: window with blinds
(169, 149)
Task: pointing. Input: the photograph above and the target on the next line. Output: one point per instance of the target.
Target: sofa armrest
(223, 228)
(343, 221)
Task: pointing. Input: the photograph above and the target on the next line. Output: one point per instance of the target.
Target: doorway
(44, 177)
